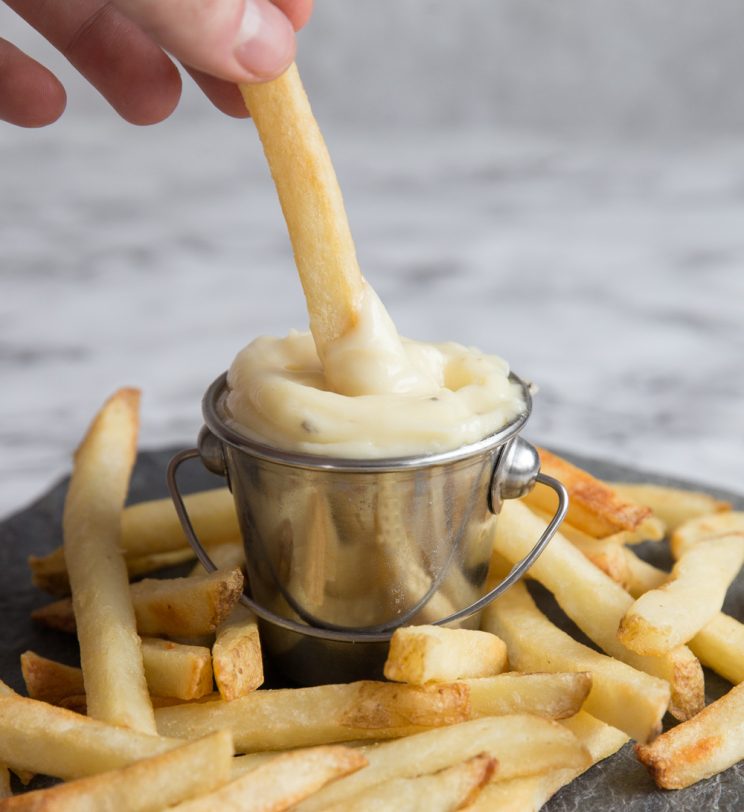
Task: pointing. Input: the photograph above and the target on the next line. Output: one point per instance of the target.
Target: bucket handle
(339, 636)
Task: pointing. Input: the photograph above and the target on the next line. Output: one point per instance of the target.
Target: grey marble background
(559, 183)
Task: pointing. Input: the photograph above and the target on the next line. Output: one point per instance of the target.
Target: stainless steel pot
(341, 552)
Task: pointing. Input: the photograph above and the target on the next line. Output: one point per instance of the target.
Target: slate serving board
(619, 782)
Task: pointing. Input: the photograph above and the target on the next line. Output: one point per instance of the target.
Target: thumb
(235, 40)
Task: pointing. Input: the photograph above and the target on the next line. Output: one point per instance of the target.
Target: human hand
(120, 47)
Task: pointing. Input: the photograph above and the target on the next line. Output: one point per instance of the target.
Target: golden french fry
(620, 695)
(421, 654)
(608, 556)
(312, 204)
(38, 737)
(176, 607)
(110, 650)
(529, 794)
(703, 746)
(594, 506)
(703, 528)
(595, 603)
(523, 745)
(674, 506)
(674, 613)
(553, 696)
(236, 655)
(449, 789)
(148, 785)
(280, 782)
(641, 576)
(227, 555)
(302, 717)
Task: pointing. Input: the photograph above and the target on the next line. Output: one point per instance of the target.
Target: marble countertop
(613, 276)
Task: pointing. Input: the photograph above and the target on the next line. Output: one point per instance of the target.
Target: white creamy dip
(376, 395)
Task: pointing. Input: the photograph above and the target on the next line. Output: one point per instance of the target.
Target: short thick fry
(281, 782)
(176, 607)
(594, 506)
(110, 650)
(620, 695)
(302, 717)
(703, 746)
(673, 506)
(147, 785)
(38, 737)
(674, 613)
(421, 654)
(312, 204)
(449, 789)
(236, 655)
(522, 745)
(692, 532)
(595, 603)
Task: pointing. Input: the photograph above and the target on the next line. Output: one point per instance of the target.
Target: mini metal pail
(341, 552)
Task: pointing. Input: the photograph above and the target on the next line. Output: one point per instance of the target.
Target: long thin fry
(312, 204)
(673, 506)
(110, 650)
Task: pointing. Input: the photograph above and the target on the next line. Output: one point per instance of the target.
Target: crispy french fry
(110, 650)
(608, 556)
(171, 669)
(595, 603)
(553, 696)
(594, 507)
(703, 528)
(620, 695)
(236, 655)
(312, 204)
(281, 782)
(522, 745)
(177, 607)
(449, 789)
(703, 746)
(674, 613)
(421, 654)
(530, 793)
(147, 785)
(673, 506)
(301, 717)
(38, 737)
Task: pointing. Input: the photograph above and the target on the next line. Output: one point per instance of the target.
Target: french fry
(595, 603)
(302, 717)
(674, 506)
(281, 782)
(608, 556)
(641, 576)
(312, 204)
(147, 785)
(227, 555)
(236, 655)
(40, 738)
(674, 613)
(151, 530)
(110, 650)
(176, 607)
(703, 746)
(523, 745)
(171, 669)
(529, 794)
(692, 532)
(594, 506)
(421, 654)
(620, 695)
(553, 696)
(449, 789)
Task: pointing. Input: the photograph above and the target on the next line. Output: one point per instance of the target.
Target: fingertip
(225, 96)
(297, 11)
(144, 108)
(30, 95)
(265, 43)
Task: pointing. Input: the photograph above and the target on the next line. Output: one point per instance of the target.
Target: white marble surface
(613, 276)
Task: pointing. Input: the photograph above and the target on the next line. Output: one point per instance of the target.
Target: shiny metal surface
(339, 553)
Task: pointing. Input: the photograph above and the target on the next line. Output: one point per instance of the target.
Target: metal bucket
(341, 552)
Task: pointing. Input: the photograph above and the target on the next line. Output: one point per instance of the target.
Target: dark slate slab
(619, 782)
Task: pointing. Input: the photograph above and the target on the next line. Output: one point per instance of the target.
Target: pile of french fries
(501, 718)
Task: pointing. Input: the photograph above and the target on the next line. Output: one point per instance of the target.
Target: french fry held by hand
(175, 607)
(675, 612)
(147, 785)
